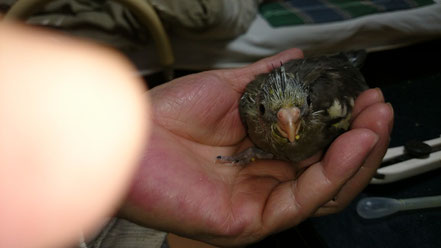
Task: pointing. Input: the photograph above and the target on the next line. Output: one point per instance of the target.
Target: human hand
(179, 187)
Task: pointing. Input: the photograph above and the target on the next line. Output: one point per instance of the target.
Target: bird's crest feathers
(285, 89)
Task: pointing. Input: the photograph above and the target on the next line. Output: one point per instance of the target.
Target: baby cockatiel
(298, 109)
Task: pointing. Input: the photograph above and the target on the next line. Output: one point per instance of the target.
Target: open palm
(180, 188)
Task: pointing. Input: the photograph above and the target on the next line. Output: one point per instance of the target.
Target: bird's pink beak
(288, 122)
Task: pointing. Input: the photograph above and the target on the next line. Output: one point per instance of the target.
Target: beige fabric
(207, 19)
(120, 233)
(99, 20)
(110, 22)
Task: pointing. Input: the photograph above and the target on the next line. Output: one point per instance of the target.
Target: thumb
(248, 73)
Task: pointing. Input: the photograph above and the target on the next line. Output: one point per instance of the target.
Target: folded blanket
(295, 12)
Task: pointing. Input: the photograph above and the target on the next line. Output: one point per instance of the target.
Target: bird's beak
(288, 122)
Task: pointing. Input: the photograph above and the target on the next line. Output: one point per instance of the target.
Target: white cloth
(371, 32)
(202, 43)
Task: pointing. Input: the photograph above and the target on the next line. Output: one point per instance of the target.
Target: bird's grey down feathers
(298, 109)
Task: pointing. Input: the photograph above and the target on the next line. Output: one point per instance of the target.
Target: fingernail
(379, 93)
(391, 123)
(376, 138)
(391, 107)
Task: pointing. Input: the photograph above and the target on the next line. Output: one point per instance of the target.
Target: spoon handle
(420, 202)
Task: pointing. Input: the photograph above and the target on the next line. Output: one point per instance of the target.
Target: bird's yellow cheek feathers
(343, 124)
(338, 110)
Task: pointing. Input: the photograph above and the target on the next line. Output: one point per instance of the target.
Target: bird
(298, 109)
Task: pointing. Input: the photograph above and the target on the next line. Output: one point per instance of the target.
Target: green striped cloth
(295, 12)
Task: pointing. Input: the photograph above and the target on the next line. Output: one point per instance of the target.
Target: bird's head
(283, 103)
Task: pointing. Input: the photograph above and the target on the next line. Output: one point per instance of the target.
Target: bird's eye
(262, 109)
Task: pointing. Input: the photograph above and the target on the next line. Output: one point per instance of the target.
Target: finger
(293, 201)
(309, 161)
(379, 119)
(279, 170)
(268, 64)
(246, 74)
(365, 99)
(72, 127)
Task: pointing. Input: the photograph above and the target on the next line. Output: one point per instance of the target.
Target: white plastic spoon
(376, 207)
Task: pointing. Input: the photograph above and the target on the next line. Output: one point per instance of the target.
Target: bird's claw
(230, 160)
(245, 157)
